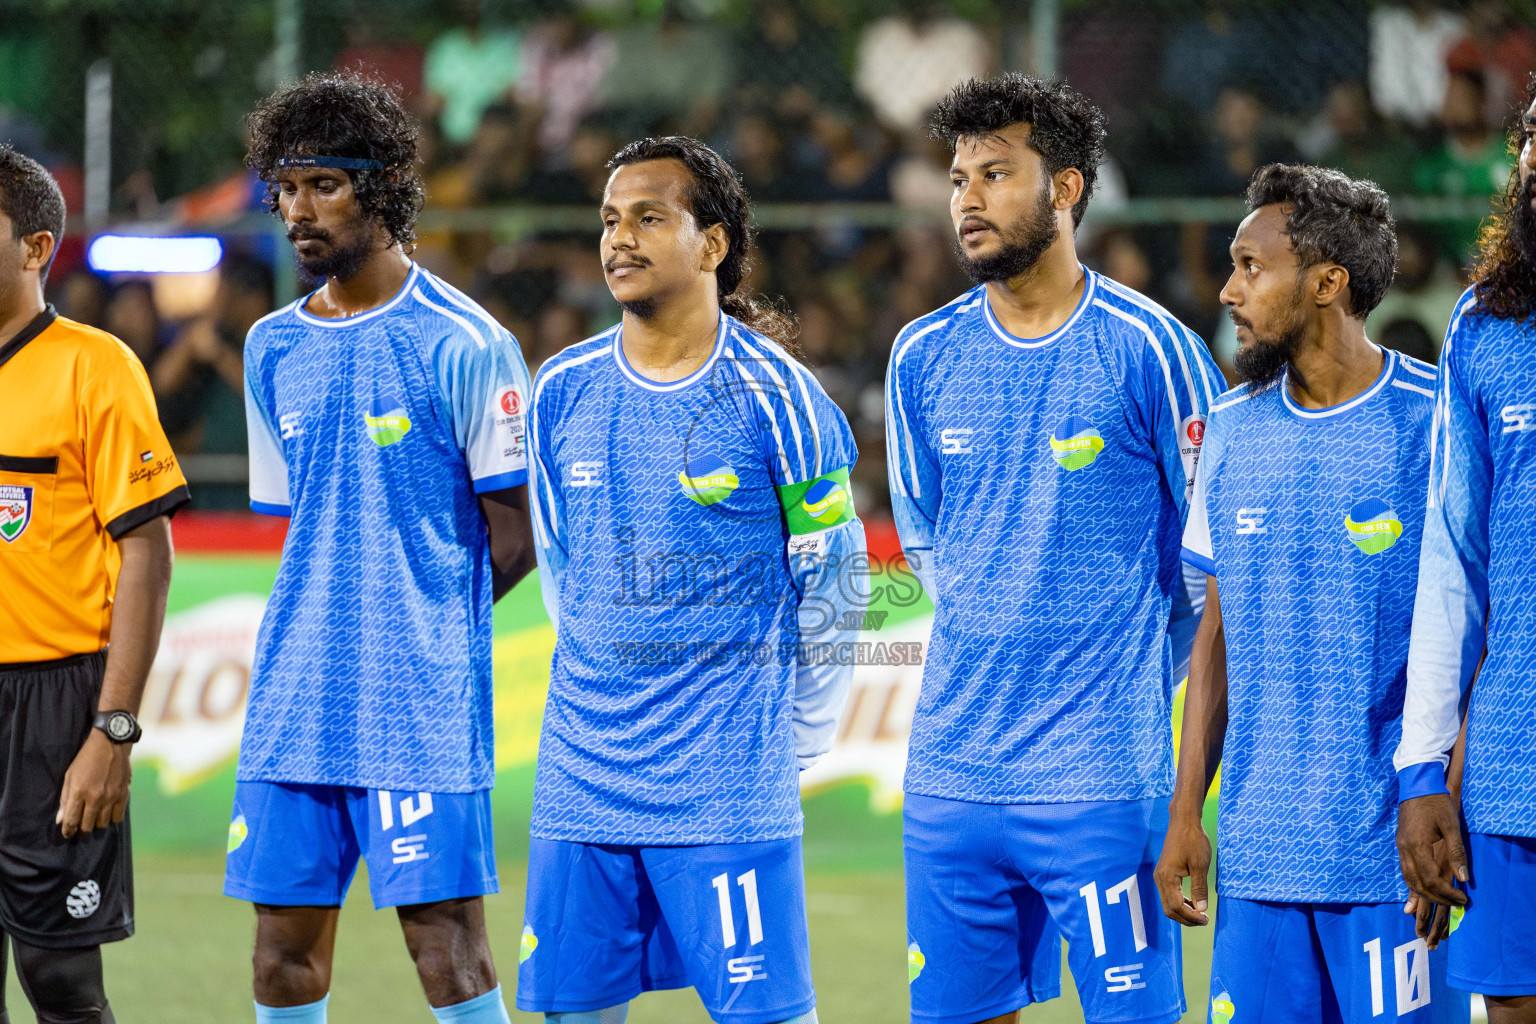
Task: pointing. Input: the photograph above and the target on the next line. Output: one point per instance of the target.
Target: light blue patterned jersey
(1040, 486)
(375, 433)
(1475, 579)
(1310, 520)
(679, 704)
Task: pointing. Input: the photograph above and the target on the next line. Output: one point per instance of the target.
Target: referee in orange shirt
(87, 487)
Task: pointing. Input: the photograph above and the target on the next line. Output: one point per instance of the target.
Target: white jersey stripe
(1205, 374)
(464, 302)
(1442, 418)
(1413, 387)
(1177, 336)
(895, 383)
(549, 370)
(756, 387)
(1173, 401)
(450, 314)
(794, 426)
(800, 373)
(1238, 400)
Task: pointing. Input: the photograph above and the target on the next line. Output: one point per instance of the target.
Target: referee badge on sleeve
(15, 511)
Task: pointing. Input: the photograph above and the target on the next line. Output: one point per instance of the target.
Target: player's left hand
(1430, 849)
(1186, 854)
(1431, 920)
(95, 791)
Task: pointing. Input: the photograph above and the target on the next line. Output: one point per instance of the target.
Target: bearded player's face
(1524, 212)
(1003, 204)
(329, 231)
(1263, 296)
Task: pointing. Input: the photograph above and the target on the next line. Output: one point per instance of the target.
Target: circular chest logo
(1076, 443)
(708, 480)
(1372, 526)
(1195, 430)
(386, 425)
(511, 402)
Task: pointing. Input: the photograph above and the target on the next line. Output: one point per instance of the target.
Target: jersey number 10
(1411, 963)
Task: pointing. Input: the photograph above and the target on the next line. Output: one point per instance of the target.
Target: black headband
(345, 163)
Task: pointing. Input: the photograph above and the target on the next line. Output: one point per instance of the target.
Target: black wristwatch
(120, 726)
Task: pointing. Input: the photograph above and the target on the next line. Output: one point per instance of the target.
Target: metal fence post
(287, 20)
(1044, 25)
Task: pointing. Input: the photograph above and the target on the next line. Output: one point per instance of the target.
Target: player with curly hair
(1042, 432)
(386, 414)
(1474, 608)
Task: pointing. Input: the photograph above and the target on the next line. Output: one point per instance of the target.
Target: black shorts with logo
(55, 893)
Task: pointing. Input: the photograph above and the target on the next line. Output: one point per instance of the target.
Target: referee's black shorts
(55, 893)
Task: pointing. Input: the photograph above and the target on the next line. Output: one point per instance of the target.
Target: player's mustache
(308, 235)
(1240, 321)
(615, 261)
(975, 222)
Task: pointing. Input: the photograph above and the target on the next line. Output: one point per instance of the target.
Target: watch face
(119, 727)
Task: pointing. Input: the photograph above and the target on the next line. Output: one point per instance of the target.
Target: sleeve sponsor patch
(1191, 437)
(508, 413)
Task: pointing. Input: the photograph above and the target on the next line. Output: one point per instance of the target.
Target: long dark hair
(716, 196)
(1504, 275)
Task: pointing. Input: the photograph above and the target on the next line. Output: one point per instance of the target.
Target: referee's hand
(96, 786)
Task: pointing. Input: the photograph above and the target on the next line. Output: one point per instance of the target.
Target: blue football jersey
(1475, 579)
(1310, 520)
(680, 708)
(374, 434)
(1040, 486)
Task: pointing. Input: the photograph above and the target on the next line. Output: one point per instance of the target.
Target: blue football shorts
(298, 845)
(992, 889)
(1495, 948)
(1339, 963)
(607, 922)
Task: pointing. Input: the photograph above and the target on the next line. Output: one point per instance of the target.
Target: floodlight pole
(287, 19)
(98, 143)
(1044, 25)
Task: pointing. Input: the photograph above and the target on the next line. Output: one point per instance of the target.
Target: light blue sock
(612, 1015)
(808, 1017)
(487, 1009)
(309, 1013)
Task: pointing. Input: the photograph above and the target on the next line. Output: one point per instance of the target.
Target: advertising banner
(194, 708)
(194, 704)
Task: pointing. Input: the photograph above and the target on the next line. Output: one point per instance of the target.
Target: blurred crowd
(815, 102)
